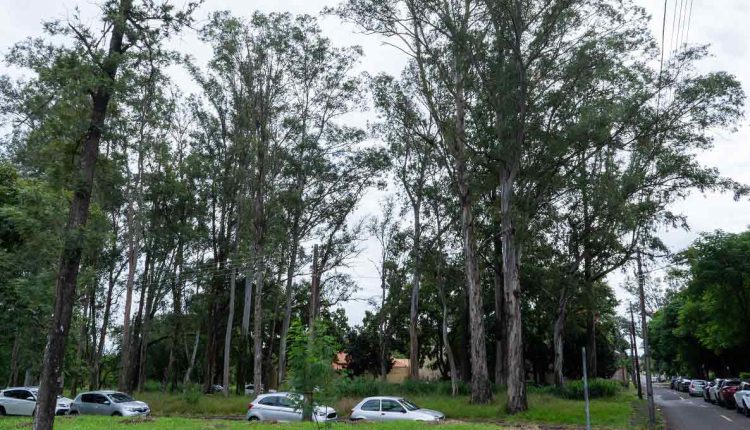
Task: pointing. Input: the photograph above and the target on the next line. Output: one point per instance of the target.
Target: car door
(287, 409)
(391, 410)
(370, 410)
(103, 405)
(11, 402)
(26, 402)
(268, 408)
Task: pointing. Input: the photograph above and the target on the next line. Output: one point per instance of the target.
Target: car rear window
(121, 398)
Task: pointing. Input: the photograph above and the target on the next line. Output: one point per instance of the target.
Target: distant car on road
(684, 385)
(22, 401)
(284, 407)
(392, 409)
(674, 381)
(742, 398)
(696, 387)
(111, 403)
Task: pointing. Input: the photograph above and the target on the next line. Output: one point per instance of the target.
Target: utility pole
(634, 354)
(646, 349)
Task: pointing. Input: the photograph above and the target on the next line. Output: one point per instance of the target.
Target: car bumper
(136, 413)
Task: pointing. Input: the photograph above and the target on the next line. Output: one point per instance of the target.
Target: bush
(597, 388)
(745, 376)
(365, 387)
(192, 394)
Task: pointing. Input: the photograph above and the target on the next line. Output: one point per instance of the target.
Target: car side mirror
(30, 398)
(107, 402)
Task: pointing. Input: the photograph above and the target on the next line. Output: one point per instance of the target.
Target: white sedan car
(392, 409)
(742, 398)
(22, 401)
(284, 407)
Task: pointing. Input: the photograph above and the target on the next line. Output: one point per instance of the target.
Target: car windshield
(731, 383)
(409, 405)
(121, 398)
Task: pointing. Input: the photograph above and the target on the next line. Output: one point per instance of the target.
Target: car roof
(100, 392)
(21, 388)
(384, 398)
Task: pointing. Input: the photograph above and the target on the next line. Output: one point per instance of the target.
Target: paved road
(683, 412)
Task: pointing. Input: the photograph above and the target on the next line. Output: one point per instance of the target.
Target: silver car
(392, 409)
(284, 407)
(22, 401)
(108, 403)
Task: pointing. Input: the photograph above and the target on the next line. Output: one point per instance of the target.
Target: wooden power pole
(646, 349)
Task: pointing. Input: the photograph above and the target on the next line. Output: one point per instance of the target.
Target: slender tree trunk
(516, 387)
(79, 351)
(634, 352)
(96, 379)
(414, 304)
(228, 333)
(501, 338)
(177, 324)
(123, 382)
(288, 296)
(315, 290)
(13, 375)
(67, 274)
(382, 323)
(191, 361)
(444, 329)
(258, 324)
(557, 336)
(245, 331)
(480, 382)
(145, 335)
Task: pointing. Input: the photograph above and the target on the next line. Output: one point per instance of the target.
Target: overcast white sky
(723, 25)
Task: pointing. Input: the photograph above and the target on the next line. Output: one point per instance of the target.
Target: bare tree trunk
(288, 296)
(516, 373)
(315, 290)
(258, 324)
(245, 330)
(383, 364)
(228, 334)
(191, 362)
(177, 324)
(480, 383)
(96, 378)
(13, 375)
(67, 274)
(444, 327)
(501, 338)
(414, 304)
(557, 336)
(123, 384)
(634, 353)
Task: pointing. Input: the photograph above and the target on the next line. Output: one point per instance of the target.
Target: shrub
(192, 394)
(365, 387)
(597, 388)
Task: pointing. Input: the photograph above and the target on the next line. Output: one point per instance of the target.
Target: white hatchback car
(392, 409)
(22, 401)
(284, 407)
(742, 398)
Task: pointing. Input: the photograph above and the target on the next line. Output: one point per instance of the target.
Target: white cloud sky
(723, 26)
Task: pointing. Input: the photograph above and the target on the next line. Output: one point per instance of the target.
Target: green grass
(111, 423)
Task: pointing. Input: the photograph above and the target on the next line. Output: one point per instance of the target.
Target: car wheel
(116, 414)
(747, 410)
(2, 411)
(74, 413)
(253, 418)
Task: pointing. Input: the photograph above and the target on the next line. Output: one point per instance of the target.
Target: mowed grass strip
(175, 423)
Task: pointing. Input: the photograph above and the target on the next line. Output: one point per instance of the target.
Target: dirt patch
(137, 420)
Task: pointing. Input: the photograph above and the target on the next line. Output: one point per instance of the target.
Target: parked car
(250, 389)
(392, 409)
(742, 398)
(108, 403)
(712, 392)
(696, 387)
(684, 385)
(22, 401)
(725, 395)
(674, 381)
(706, 390)
(285, 407)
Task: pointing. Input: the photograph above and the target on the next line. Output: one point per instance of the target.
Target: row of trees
(701, 328)
(531, 148)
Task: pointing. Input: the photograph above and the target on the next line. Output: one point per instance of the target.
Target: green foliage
(598, 388)
(367, 386)
(311, 351)
(192, 394)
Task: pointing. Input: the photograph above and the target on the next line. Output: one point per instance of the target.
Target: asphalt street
(683, 412)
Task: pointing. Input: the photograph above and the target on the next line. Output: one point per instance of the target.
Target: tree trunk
(634, 353)
(315, 290)
(245, 331)
(13, 375)
(288, 296)
(480, 383)
(228, 333)
(191, 362)
(96, 378)
(557, 336)
(501, 338)
(414, 305)
(444, 327)
(516, 374)
(70, 259)
(145, 335)
(258, 325)
(123, 383)
(383, 363)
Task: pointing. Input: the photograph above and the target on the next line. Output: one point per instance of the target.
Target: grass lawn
(174, 412)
